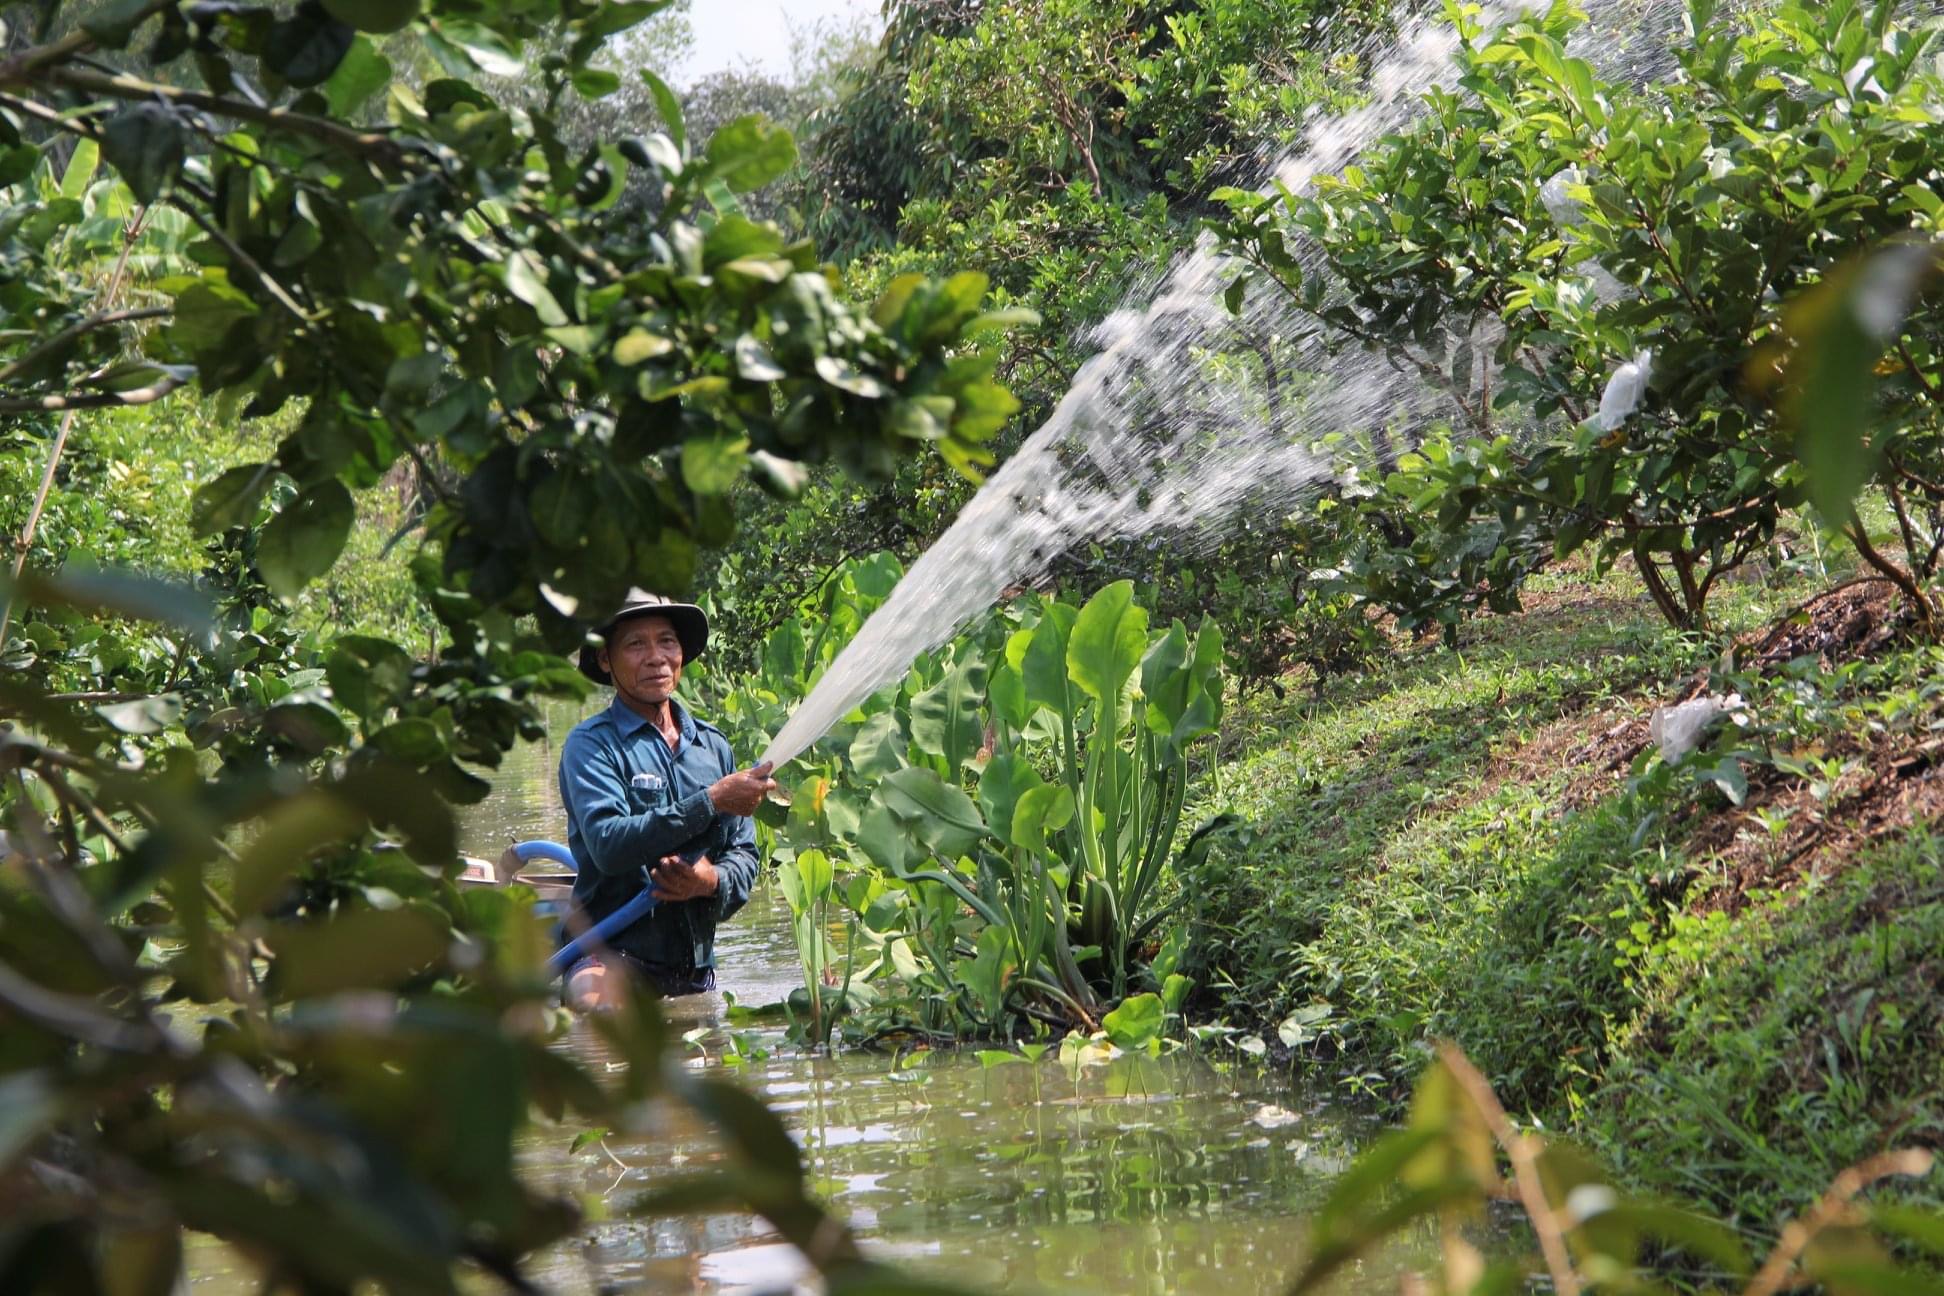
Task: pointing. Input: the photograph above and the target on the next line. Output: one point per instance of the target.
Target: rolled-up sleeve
(594, 786)
(737, 863)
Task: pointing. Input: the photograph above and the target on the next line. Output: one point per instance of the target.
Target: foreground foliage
(1444, 1166)
(240, 991)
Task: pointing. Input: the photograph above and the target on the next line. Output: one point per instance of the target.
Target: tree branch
(95, 400)
(276, 290)
(1834, 1208)
(75, 330)
(375, 145)
(1523, 1151)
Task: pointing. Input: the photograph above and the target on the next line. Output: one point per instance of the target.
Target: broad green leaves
(1136, 1023)
(749, 152)
(147, 144)
(1053, 848)
(946, 718)
(1105, 647)
(305, 537)
(373, 15)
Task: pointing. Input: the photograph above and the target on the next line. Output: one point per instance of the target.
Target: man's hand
(741, 792)
(675, 879)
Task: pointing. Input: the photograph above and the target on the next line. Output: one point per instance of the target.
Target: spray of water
(1155, 438)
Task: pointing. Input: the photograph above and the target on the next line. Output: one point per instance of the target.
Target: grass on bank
(1731, 1002)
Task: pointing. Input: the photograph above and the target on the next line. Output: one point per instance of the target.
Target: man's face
(644, 655)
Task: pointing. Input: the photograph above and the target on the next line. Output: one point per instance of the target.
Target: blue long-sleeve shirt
(630, 801)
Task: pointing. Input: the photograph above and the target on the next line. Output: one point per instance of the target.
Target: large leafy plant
(1010, 812)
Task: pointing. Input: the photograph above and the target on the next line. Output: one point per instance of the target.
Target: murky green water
(1140, 1175)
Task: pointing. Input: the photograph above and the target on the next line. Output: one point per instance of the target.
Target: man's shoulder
(708, 731)
(598, 727)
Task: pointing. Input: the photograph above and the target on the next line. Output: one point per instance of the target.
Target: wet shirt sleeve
(617, 837)
(737, 863)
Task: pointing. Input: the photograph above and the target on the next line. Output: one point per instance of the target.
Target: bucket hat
(691, 627)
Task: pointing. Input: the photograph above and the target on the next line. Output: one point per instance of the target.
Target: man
(650, 789)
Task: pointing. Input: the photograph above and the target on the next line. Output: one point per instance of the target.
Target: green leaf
(670, 108)
(638, 345)
(311, 727)
(303, 541)
(586, 1139)
(595, 83)
(1043, 663)
(113, 23)
(373, 15)
(1137, 1021)
(146, 143)
(940, 815)
(526, 280)
(284, 839)
(81, 169)
(144, 598)
(205, 312)
(945, 718)
(362, 74)
(17, 163)
(1840, 329)
(150, 715)
(712, 465)
(1232, 295)
(1728, 775)
(1005, 779)
(1105, 649)
(749, 152)
(755, 363)
(413, 741)
(367, 674)
(366, 948)
(477, 45)
(306, 48)
(1925, 1228)
(990, 1058)
(879, 747)
(1041, 810)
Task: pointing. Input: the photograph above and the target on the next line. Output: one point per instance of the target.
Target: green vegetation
(1009, 814)
(371, 351)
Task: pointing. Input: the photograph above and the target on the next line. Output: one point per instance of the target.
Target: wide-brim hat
(691, 627)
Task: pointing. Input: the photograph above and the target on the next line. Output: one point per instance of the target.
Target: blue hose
(620, 920)
(615, 923)
(546, 850)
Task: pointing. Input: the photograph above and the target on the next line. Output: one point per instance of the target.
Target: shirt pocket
(649, 791)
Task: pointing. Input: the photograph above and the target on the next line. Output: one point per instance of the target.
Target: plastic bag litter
(1678, 730)
(1560, 205)
(1623, 391)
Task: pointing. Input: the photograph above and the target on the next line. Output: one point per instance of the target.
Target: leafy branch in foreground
(240, 990)
(1445, 1166)
(430, 273)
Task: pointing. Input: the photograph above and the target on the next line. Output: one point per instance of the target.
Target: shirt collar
(628, 720)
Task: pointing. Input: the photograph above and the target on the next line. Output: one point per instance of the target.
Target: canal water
(1182, 1174)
